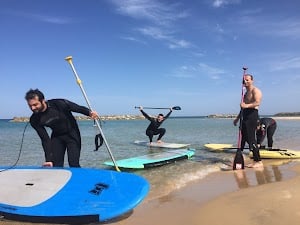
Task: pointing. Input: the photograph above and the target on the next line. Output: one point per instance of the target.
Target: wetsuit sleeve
(77, 108)
(146, 115)
(167, 116)
(46, 141)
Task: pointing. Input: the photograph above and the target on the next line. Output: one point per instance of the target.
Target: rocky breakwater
(222, 116)
(107, 117)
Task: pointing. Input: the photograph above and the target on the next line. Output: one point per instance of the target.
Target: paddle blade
(176, 108)
(238, 162)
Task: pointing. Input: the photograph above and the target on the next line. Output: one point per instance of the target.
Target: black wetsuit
(153, 128)
(65, 132)
(267, 128)
(248, 126)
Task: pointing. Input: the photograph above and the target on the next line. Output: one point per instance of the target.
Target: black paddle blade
(176, 108)
(238, 162)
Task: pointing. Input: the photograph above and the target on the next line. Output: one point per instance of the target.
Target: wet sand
(249, 197)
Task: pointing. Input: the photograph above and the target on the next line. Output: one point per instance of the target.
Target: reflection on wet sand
(263, 175)
(241, 178)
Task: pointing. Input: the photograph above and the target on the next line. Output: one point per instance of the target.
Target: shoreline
(200, 201)
(223, 193)
(140, 117)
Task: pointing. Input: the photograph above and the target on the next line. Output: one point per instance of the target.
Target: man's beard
(40, 109)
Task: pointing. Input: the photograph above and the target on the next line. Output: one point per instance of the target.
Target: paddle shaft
(268, 149)
(174, 108)
(241, 111)
(69, 60)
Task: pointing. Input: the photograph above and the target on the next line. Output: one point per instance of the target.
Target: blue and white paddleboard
(153, 159)
(68, 195)
(161, 145)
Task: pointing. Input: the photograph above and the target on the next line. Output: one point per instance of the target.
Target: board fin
(238, 162)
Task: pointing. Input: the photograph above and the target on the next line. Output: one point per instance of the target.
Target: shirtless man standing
(249, 112)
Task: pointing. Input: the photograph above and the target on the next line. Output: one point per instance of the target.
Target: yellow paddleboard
(277, 154)
(218, 147)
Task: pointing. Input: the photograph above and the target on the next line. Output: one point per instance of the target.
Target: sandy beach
(249, 197)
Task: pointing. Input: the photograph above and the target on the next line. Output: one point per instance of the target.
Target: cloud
(159, 19)
(220, 3)
(213, 72)
(51, 19)
(179, 44)
(155, 32)
(185, 72)
(219, 29)
(284, 28)
(261, 23)
(160, 34)
(133, 39)
(154, 11)
(291, 63)
(38, 17)
(199, 69)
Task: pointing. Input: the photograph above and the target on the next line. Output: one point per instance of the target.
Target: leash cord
(20, 150)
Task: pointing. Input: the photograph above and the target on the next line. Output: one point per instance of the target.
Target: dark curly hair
(32, 93)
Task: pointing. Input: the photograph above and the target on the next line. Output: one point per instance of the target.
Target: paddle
(238, 162)
(173, 108)
(267, 149)
(241, 111)
(69, 60)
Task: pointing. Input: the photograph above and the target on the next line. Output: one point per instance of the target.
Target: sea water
(19, 144)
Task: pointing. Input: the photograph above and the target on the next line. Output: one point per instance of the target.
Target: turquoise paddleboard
(153, 159)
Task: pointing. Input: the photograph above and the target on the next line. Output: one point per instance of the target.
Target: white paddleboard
(161, 145)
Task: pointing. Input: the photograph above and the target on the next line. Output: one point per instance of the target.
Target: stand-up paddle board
(277, 154)
(218, 147)
(161, 145)
(154, 159)
(70, 195)
(265, 153)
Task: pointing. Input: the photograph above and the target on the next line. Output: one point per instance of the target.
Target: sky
(151, 53)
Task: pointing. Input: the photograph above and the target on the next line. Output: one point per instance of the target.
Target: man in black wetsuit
(266, 127)
(249, 113)
(56, 114)
(153, 128)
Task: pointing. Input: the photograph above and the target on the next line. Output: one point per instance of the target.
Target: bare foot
(256, 165)
(159, 142)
